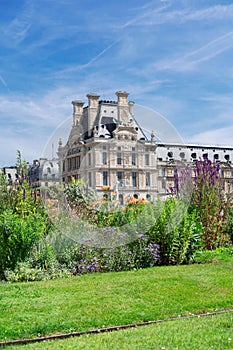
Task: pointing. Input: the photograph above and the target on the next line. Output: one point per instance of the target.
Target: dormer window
(205, 156)
(182, 155)
(194, 155)
(170, 154)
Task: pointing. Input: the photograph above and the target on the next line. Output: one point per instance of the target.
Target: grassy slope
(93, 301)
(209, 332)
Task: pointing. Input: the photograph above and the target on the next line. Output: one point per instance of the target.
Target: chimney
(131, 104)
(93, 105)
(77, 111)
(123, 107)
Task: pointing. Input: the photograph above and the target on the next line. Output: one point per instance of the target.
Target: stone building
(169, 156)
(108, 149)
(10, 173)
(43, 172)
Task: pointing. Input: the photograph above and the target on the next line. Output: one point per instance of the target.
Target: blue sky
(172, 56)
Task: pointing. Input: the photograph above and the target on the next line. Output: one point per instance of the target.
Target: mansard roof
(191, 152)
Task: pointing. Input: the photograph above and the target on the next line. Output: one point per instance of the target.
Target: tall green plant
(173, 231)
(23, 220)
(210, 203)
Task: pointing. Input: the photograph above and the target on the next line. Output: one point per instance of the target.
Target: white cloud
(3, 82)
(19, 27)
(162, 15)
(220, 136)
(28, 122)
(190, 60)
(217, 12)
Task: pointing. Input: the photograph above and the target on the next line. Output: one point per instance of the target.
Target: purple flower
(153, 249)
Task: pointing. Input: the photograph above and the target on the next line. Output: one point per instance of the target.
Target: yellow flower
(105, 188)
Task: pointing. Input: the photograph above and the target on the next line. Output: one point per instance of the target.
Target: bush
(18, 235)
(210, 203)
(23, 221)
(213, 256)
(176, 232)
(80, 259)
(23, 272)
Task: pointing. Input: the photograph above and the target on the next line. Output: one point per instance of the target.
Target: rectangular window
(120, 178)
(89, 179)
(163, 183)
(134, 179)
(74, 163)
(118, 158)
(147, 179)
(163, 172)
(105, 178)
(104, 158)
(89, 159)
(147, 161)
(133, 158)
(69, 164)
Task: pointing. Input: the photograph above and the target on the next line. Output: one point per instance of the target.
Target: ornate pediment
(125, 130)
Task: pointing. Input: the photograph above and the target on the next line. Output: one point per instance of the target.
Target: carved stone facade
(171, 156)
(43, 172)
(109, 150)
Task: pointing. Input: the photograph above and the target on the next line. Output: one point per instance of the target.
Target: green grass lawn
(203, 333)
(99, 300)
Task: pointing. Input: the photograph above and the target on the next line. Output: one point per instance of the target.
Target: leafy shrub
(18, 235)
(175, 232)
(208, 200)
(80, 259)
(213, 256)
(23, 272)
(228, 226)
(23, 220)
(44, 256)
(210, 203)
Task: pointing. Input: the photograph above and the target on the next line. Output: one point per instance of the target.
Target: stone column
(77, 111)
(93, 105)
(123, 107)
